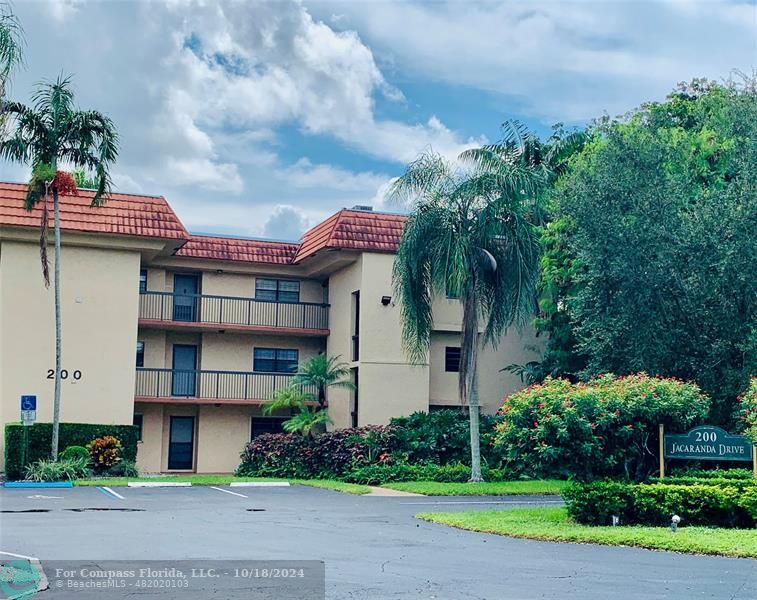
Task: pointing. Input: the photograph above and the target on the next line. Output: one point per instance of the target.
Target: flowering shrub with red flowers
(104, 452)
(331, 454)
(746, 411)
(605, 427)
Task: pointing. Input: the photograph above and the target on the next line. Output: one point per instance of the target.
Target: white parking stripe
(158, 484)
(228, 492)
(259, 484)
(18, 556)
(116, 494)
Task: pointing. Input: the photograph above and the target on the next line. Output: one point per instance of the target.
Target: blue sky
(262, 118)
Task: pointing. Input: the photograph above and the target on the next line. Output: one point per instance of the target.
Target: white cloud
(568, 60)
(285, 223)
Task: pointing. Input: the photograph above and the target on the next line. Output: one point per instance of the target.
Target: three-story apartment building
(187, 335)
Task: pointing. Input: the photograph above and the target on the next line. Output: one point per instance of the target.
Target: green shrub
(735, 483)
(443, 437)
(655, 504)
(379, 474)
(329, 455)
(70, 434)
(277, 455)
(713, 473)
(746, 411)
(605, 427)
(74, 452)
(63, 470)
(123, 468)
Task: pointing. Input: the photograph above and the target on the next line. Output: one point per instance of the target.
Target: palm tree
(470, 233)
(11, 44)
(323, 372)
(306, 419)
(48, 133)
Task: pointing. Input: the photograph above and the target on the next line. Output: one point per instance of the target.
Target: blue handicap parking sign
(28, 402)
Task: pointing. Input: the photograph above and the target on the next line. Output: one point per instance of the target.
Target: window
(275, 360)
(277, 290)
(261, 425)
(140, 354)
(138, 419)
(452, 359)
(142, 280)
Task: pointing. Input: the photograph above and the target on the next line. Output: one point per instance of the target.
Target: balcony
(196, 312)
(203, 387)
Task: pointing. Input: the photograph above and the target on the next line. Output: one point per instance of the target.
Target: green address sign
(708, 443)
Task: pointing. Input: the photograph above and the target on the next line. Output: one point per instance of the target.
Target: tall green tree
(50, 133)
(322, 372)
(654, 249)
(471, 234)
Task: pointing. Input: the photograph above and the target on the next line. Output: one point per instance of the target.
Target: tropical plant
(62, 470)
(104, 452)
(288, 398)
(305, 419)
(308, 420)
(48, 133)
(470, 233)
(323, 372)
(11, 44)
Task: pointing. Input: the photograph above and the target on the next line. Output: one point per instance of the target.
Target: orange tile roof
(235, 249)
(354, 230)
(124, 214)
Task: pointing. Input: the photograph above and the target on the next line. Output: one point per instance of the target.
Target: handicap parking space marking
(228, 492)
(109, 492)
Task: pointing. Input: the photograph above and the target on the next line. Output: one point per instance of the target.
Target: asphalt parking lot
(372, 547)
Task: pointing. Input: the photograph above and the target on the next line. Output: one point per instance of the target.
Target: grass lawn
(489, 488)
(552, 524)
(338, 486)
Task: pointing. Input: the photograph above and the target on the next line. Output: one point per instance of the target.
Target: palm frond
(11, 42)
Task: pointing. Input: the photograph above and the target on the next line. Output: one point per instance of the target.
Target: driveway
(372, 547)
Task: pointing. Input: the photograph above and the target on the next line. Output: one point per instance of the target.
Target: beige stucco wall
(339, 343)
(234, 352)
(442, 385)
(99, 297)
(221, 433)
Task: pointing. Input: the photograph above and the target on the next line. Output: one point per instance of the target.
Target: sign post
(707, 442)
(28, 410)
(28, 417)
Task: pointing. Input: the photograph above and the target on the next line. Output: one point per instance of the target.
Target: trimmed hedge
(70, 434)
(655, 504)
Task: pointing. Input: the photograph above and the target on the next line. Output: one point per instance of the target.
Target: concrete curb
(158, 484)
(38, 484)
(259, 484)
